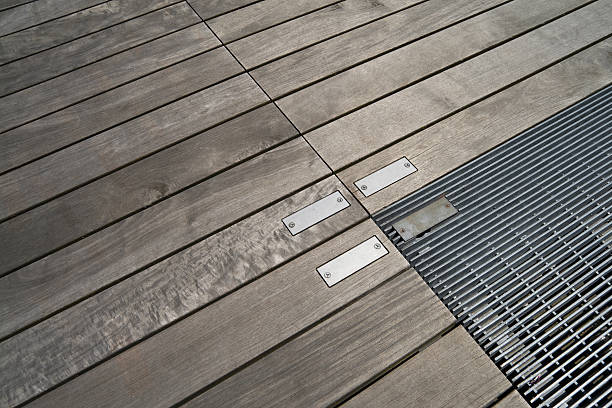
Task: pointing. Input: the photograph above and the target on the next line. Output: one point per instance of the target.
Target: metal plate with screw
(352, 261)
(424, 218)
(315, 212)
(386, 176)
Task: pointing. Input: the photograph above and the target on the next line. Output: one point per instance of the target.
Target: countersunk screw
(377, 246)
(406, 164)
(402, 230)
(327, 275)
(339, 199)
(364, 187)
(291, 224)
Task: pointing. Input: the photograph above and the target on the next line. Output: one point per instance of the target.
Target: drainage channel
(522, 255)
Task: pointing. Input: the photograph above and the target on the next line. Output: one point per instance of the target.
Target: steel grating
(526, 264)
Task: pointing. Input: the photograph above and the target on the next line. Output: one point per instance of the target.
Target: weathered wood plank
(453, 371)
(341, 354)
(212, 8)
(101, 112)
(200, 349)
(91, 331)
(452, 142)
(38, 12)
(6, 4)
(35, 291)
(374, 79)
(84, 51)
(55, 32)
(69, 217)
(75, 86)
(339, 53)
(356, 135)
(96, 156)
(306, 30)
(261, 15)
(512, 400)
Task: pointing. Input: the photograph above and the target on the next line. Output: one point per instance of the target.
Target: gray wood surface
(86, 50)
(390, 72)
(69, 217)
(306, 30)
(55, 32)
(200, 349)
(339, 53)
(96, 156)
(114, 107)
(39, 11)
(465, 135)
(6, 4)
(75, 86)
(339, 355)
(259, 16)
(35, 291)
(73, 340)
(512, 400)
(356, 135)
(211, 8)
(452, 372)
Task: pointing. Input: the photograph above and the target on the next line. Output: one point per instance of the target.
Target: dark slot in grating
(526, 264)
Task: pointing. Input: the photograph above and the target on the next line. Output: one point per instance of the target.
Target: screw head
(327, 275)
(377, 246)
(364, 187)
(291, 224)
(402, 230)
(339, 199)
(406, 164)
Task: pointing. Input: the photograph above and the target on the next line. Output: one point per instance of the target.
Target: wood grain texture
(38, 12)
(339, 53)
(356, 135)
(306, 30)
(66, 219)
(86, 50)
(456, 140)
(55, 32)
(75, 86)
(381, 76)
(512, 400)
(259, 16)
(96, 156)
(115, 318)
(76, 271)
(453, 371)
(6, 4)
(212, 8)
(339, 355)
(200, 349)
(101, 112)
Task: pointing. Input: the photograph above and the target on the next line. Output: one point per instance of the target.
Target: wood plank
(212, 8)
(75, 86)
(512, 400)
(41, 288)
(453, 371)
(261, 15)
(31, 14)
(77, 338)
(56, 32)
(78, 213)
(353, 47)
(363, 132)
(102, 112)
(6, 4)
(75, 165)
(48, 64)
(200, 349)
(306, 30)
(339, 355)
(349, 90)
(452, 142)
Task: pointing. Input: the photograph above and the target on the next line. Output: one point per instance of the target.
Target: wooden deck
(149, 150)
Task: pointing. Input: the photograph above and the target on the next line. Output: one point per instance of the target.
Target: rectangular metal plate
(386, 176)
(352, 261)
(315, 212)
(425, 218)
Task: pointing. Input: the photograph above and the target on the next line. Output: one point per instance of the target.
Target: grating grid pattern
(526, 265)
